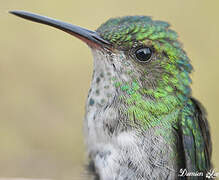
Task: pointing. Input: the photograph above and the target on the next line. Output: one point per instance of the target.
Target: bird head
(147, 55)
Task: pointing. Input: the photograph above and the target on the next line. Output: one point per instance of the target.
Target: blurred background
(45, 76)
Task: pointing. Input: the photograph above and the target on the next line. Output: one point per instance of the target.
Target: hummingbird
(141, 120)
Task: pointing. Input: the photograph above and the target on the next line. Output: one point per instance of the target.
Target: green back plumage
(196, 140)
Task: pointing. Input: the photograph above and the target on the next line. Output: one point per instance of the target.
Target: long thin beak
(90, 37)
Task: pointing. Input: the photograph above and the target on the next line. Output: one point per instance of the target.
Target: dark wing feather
(195, 136)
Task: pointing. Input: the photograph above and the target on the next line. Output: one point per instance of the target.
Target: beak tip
(18, 13)
(13, 12)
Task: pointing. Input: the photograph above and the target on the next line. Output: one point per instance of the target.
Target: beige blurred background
(45, 76)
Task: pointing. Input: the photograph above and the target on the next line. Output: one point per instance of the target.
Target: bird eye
(143, 54)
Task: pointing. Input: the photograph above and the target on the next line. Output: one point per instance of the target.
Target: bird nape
(141, 121)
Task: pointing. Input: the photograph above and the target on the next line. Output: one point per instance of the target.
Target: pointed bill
(90, 37)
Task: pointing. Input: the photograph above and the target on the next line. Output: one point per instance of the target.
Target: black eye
(143, 54)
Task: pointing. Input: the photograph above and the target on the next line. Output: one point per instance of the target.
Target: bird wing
(195, 136)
